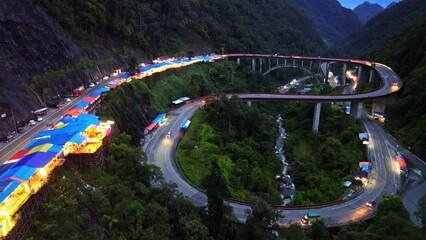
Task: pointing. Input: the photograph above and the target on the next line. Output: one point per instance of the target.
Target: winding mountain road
(385, 173)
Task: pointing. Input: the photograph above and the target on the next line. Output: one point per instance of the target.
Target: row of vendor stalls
(28, 170)
(77, 132)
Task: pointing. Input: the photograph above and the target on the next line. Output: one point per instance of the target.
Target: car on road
(370, 203)
(91, 85)
(67, 100)
(39, 118)
(168, 135)
(31, 123)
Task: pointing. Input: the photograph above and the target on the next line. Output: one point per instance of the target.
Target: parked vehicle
(310, 218)
(78, 91)
(31, 123)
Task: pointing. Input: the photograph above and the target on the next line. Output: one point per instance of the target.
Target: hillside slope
(385, 26)
(50, 47)
(330, 19)
(406, 54)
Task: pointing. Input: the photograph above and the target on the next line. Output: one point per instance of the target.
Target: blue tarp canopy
(99, 91)
(21, 173)
(7, 186)
(159, 118)
(82, 105)
(79, 124)
(66, 119)
(124, 76)
(36, 160)
(4, 167)
(57, 140)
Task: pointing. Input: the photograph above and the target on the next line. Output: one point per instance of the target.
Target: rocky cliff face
(31, 43)
(331, 20)
(367, 11)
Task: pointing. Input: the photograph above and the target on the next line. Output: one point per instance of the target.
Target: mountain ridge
(367, 11)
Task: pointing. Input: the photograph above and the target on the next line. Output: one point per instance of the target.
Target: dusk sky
(353, 3)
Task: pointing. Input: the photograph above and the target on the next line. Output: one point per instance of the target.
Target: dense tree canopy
(172, 26)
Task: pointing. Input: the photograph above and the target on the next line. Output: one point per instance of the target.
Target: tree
(219, 214)
(260, 221)
(421, 213)
(318, 231)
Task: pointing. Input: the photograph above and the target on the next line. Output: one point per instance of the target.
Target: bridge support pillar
(344, 74)
(260, 64)
(379, 104)
(359, 73)
(356, 109)
(317, 112)
(294, 62)
(302, 63)
(285, 62)
(269, 62)
(253, 64)
(371, 75)
(238, 61)
(278, 61)
(249, 103)
(310, 65)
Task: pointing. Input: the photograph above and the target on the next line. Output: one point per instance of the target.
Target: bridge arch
(294, 66)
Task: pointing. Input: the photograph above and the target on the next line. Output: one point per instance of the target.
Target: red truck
(78, 91)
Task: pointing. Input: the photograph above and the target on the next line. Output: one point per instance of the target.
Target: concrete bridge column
(302, 63)
(278, 61)
(285, 62)
(359, 73)
(269, 62)
(344, 74)
(238, 61)
(249, 103)
(319, 67)
(310, 65)
(356, 109)
(371, 75)
(294, 62)
(253, 64)
(260, 64)
(317, 113)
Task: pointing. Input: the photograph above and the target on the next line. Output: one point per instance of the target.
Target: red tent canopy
(19, 155)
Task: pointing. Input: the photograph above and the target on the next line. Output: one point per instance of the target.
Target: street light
(13, 117)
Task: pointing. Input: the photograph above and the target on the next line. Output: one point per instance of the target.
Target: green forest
(406, 54)
(180, 27)
(241, 140)
(229, 149)
(321, 162)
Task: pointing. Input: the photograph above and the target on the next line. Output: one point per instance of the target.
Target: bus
(78, 91)
(151, 127)
(310, 218)
(185, 125)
